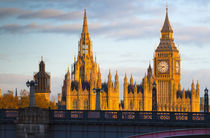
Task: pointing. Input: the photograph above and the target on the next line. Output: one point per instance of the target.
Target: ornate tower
(85, 65)
(43, 79)
(166, 68)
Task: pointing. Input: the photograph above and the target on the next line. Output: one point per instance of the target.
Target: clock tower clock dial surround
(163, 66)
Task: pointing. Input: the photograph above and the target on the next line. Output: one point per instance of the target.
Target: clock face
(163, 67)
(177, 67)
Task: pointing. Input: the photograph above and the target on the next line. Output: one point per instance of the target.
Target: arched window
(86, 105)
(140, 106)
(75, 105)
(131, 104)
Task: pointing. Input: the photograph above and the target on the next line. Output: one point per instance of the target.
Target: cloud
(13, 81)
(40, 14)
(4, 57)
(6, 12)
(119, 20)
(135, 28)
(51, 14)
(37, 28)
(193, 34)
(197, 75)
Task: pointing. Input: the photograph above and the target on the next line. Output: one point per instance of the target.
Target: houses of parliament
(79, 82)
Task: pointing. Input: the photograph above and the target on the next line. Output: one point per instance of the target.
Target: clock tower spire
(166, 67)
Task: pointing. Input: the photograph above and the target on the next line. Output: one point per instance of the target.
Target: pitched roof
(167, 26)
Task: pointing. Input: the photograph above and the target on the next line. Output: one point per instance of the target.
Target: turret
(183, 94)
(68, 90)
(135, 89)
(193, 87)
(109, 80)
(75, 59)
(110, 91)
(43, 80)
(131, 80)
(149, 72)
(125, 92)
(99, 78)
(145, 81)
(197, 89)
(41, 65)
(116, 85)
(59, 98)
(179, 87)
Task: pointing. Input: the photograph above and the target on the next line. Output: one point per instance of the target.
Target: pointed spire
(75, 58)
(109, 76)
(179, 87)
(95, 57)
(68, 77)
(116, 77)
(85, 26)
(149, 71)
(42, 65)
(125, 78)
(197, 86)
(80, 83)
(183, 94)
(167, 26)
(193, 85)
(150, 68)
(68, 72)
(131, 80)
(145, 78)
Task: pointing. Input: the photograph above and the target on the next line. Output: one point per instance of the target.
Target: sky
(124, 35)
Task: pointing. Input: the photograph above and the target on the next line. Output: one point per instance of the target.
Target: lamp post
(32, 85)
(97, 91)
(206, 101)
(154, 97)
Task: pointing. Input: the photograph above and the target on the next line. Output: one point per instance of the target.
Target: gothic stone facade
(77, 90)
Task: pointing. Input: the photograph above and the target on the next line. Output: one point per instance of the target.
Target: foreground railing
(8, 114)
(128, 115)
(135, 116)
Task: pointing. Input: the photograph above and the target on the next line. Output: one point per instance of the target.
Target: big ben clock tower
(167, 68)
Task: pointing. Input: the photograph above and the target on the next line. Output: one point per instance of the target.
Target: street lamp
(98, 91)
(32, 85)
(206, 101)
